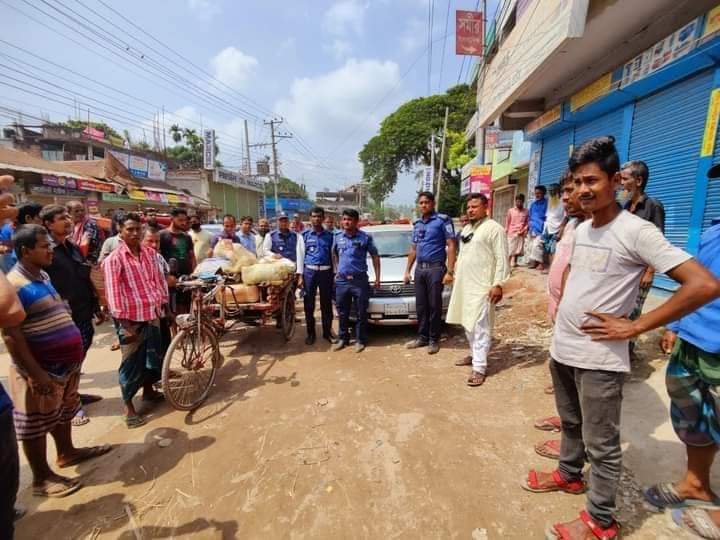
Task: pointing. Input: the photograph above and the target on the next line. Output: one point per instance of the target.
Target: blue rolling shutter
(608, 124)
(712, 205)
(554, 158)
(666, 134)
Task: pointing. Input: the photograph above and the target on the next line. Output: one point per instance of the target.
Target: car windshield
(393, 243)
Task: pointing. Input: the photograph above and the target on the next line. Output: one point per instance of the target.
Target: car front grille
(394, 290)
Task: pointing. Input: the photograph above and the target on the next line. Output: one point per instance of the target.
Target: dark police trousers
(312, 281)
(428, 300)
(346, 291)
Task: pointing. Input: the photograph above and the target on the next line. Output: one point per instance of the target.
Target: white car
(394, 302)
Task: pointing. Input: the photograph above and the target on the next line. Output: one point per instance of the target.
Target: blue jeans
(347, 290)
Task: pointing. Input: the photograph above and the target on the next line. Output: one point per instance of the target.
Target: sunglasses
(466, 239)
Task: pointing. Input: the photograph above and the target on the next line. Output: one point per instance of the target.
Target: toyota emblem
(396, 289)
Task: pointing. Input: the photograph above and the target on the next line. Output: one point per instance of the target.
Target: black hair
(478, 196)
(600, 150)
(229, 216)
(117, 219)
(49, 212)
(427, 194)
(26, 236)
(246, 218)
(555, 187)
(520, 197)
(541, 188)
(638, 169)
(318, 210)
(177, 211)
(130, 216)
(151, 229)
(351, 213)
(28, 210)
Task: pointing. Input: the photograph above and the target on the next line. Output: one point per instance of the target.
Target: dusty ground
(297, 442)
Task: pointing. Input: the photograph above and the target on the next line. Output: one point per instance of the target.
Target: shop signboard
(469, 33)
(521, 150)
(58, 181)
(138, 166)
(156, 170)
(209, 149)
(253, 184)
(481, 179)
(545, 119)
(122, 157)
(711, 124)
(712, 24)
(114, 197)
(226, 176)
(94, 185)
(427, 183)
(465, 186)
(591, 92)
(668, 49)
(56, 190)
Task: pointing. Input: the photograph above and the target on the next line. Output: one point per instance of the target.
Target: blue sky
(332, 69)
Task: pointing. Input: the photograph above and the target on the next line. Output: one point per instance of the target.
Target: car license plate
(396, 309)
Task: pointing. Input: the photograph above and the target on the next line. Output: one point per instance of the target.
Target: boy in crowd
(516, 228)
(589, 348)
(536, 224)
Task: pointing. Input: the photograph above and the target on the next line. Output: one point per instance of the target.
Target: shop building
(646, 73)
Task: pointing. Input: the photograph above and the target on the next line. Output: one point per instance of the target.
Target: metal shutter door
(554, 158)
(608, 124)
(666, 134)
(712, 204)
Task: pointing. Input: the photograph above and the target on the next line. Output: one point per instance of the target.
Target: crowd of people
(63, 277)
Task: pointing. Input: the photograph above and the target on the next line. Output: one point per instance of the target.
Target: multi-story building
(334, 202)
(647, 73)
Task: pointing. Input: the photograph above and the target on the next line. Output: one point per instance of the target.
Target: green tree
(402, 143)
(285, 185)
(188, 149)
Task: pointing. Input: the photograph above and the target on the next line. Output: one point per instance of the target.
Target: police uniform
(317, 273)
(430, 238)
(284, 245)
(351, 280)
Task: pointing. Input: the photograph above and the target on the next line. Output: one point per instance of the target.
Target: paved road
(298, 442)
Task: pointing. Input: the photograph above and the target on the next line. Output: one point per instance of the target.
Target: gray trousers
(589, 404)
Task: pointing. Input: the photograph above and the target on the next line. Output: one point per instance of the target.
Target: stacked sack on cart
(271, 271)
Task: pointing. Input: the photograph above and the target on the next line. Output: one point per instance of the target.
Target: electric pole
(276, 173)
(248, 163)
(442, 156)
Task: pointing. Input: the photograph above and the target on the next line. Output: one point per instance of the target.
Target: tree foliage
(402, 142)
(285, 185)
(188, 149)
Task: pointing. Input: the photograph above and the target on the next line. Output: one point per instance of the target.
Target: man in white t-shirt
(589, 348)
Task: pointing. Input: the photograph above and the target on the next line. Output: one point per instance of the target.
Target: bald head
(76, 210)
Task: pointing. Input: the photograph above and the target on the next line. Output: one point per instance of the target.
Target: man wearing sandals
(693, 380)
(589, 348)
(46, 351)
(137, 293)
(481, 271)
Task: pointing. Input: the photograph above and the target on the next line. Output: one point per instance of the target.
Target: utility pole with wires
(442, 157)
(248, 163)
(276, 168)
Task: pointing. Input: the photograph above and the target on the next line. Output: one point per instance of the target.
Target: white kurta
(482, 264)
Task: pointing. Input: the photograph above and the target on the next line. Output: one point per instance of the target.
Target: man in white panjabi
(481, 271)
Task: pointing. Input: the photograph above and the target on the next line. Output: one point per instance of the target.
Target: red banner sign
(469, 35)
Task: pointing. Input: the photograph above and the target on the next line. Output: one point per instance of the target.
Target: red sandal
(560, 532)
(548, 449)
(574, 487)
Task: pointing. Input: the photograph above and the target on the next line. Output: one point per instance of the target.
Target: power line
(442, 56)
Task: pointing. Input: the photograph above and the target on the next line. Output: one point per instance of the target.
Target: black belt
(350, 277)
(425, 265)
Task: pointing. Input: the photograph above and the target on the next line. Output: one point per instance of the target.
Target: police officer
(432, 234)
(315, 254)
(350, 251)
(282, 241)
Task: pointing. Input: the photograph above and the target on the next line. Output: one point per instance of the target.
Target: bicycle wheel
(189, 368)
(287, 314)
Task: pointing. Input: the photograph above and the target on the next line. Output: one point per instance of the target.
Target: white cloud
(233, 67)
(339, 49)
(330, 106)
(344, 17)
(414, 36)
(204, 9)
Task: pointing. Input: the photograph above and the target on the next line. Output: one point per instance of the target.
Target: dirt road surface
(298, 442)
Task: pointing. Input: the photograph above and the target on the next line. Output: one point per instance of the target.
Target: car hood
(392, 269)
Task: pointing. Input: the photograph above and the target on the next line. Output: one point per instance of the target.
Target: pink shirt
(561, 259)
(516, 221)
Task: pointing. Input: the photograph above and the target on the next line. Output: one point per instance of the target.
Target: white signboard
(427, 184)
(138, 166)
(122, 157)
(546, 27)
(156, 170)
(209, 149)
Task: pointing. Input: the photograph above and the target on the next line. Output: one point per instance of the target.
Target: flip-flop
(71, 486)
(548, 449)
(133, 422)
(549, 423)
(465, 361)
(90, 452)
(476, 379)
(664, 495)
(80, 419)
(702, 525)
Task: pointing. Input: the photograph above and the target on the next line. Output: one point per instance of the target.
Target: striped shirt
(54, 340)
(135, 286)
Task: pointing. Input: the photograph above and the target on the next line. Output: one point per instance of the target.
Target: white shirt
(605, 269)
(299, 251)
(554, 216)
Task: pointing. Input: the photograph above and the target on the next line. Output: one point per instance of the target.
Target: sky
(330, 69)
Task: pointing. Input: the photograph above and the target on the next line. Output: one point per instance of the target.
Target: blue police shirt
(536, 216)
(284, 244)
(701, 327)
(8, 260)
(430, 237)
(5, 403)
(352, 252)
(247, 241)
(318, 247)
